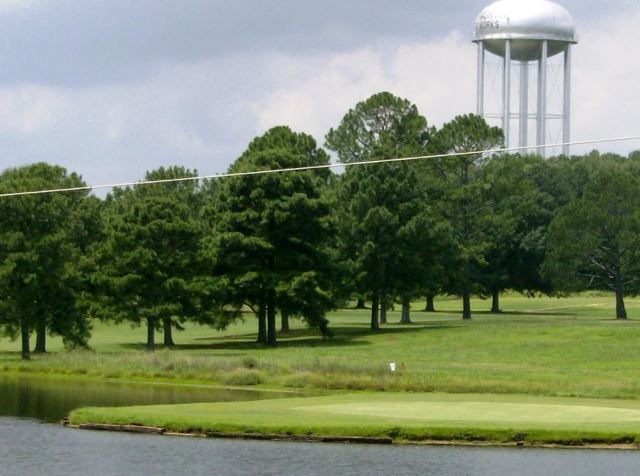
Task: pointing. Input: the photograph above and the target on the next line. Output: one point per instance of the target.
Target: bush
(249, 363)
(244, 377)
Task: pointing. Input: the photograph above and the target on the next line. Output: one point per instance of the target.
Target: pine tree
(270, 233)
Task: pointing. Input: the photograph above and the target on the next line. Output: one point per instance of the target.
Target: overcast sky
(112, 88)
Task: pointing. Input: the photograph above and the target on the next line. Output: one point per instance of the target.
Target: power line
(315, 167)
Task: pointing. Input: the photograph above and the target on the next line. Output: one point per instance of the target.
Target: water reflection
(49, 400)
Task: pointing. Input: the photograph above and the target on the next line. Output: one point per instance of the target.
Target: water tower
(525, 33)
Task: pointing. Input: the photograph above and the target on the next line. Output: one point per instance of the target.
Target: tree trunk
(360, 304)
(284, 325)
(24, 333)
(495, 301)
(41, 338)
(383, 308)
(466, 305)
(262, 324)
(151, 333)
(271, 322)
(375, 305)
(168, 332)
(430, 304)
(621, 311)
(406, 311)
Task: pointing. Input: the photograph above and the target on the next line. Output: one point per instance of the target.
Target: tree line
(299, 244)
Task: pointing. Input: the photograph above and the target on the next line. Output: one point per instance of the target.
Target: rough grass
(556, 347)
(408, 417)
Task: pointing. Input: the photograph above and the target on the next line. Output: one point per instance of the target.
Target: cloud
(29, 110)
(439, 77)
(202, 112)
(313, 94)
(80, 43)
(13, 6)
(181, 114)
(606, 86)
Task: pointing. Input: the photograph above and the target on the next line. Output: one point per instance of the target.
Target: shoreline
(151, 381)
(345, 439)
(477, 419)
(266, 388)
(394, 433)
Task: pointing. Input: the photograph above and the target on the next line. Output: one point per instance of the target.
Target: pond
(32, 446)
(29, 447)
(50, 400)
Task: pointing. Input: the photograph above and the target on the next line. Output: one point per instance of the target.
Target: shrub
(249, 363)
(243, 377)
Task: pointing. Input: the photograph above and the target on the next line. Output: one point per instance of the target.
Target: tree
(374, 220)
(595, 240)
(383, 126)
(40, 242)
(148, 263)
(385, 227)
(463, 197)
(270, 233)
(520, 215)
(425, 244)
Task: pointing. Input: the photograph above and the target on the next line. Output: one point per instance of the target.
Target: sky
(113, 88)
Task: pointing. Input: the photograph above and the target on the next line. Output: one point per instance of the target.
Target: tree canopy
(594, 241)
(382, 126)
(463, 198)
(148, 263)
(269, 233)
(384, 214)
(41, 237)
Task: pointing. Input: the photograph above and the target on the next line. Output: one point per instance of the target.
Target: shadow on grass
(344, 336)
(535, 313)
(505, 314)
(10, 356)
(249, 335)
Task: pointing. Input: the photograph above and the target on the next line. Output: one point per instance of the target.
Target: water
(50, 400)
(29, 446)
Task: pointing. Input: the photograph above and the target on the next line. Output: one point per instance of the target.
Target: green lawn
(543, 346)
(406, 416)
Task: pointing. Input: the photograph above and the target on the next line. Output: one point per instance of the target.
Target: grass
(403, 417)
(569, 347)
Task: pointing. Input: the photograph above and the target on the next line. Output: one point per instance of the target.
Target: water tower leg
(542, 99)
(566, 125)
(506, 89)
(524, 105)
(480, 101)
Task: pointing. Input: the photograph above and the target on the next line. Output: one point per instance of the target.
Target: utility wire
(316, 167)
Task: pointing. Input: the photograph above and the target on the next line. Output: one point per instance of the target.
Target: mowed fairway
(543, 346)
(400, 416)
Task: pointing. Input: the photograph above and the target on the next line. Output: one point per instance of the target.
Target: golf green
(484, 412)
(399, 415)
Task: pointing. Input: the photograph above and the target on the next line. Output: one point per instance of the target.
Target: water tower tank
(526, 31)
